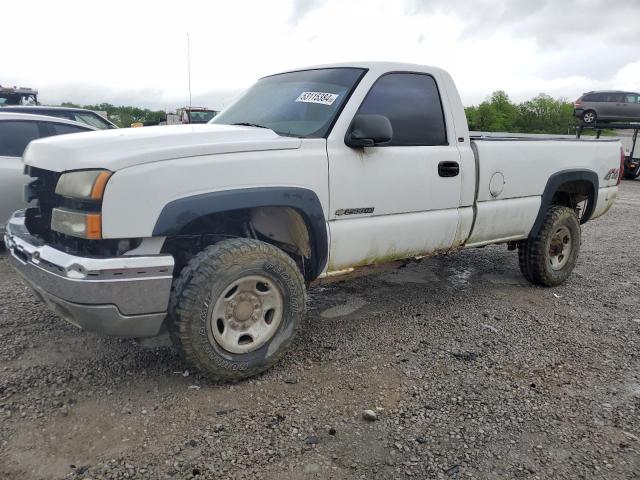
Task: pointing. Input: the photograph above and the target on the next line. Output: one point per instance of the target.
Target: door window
(411, 102)
(15, 136)
(631, 98)
(61, 128)
(614, 97)
(53, 113)
(92, 119)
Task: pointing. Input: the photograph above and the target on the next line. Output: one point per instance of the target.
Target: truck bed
(512, 173)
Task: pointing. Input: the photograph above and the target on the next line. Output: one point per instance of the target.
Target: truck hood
(125, 147)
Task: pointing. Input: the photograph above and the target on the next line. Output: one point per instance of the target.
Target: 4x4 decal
(613, 173)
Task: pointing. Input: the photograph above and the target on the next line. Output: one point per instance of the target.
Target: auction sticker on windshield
(317, 97)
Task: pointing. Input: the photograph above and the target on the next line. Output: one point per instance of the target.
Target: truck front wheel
(549, 257)
(236, 307)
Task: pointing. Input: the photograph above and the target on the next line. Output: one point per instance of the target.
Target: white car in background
(16, 131)
(81, 115)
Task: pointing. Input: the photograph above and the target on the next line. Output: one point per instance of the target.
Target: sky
(135, 52)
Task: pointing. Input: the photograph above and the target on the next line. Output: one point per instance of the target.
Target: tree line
(541, 114)
(124, 116)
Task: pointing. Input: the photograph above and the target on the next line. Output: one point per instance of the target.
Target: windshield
(300, 104)
(201, 116)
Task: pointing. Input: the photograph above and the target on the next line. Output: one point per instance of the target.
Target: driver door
(400, 199)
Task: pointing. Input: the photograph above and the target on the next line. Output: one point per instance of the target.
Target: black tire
(201, 285)
(589, 117)
(535, 253)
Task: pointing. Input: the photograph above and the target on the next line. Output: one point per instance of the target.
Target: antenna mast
(189, 67)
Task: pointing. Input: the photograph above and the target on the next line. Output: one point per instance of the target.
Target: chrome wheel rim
(246, 315)
(588, 117)
(560, 248)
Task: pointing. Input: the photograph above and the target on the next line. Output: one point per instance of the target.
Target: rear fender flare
(554, 182)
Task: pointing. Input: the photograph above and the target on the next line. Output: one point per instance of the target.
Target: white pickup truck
(213, 232)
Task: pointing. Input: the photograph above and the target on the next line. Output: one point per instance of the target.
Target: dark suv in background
(614, 105)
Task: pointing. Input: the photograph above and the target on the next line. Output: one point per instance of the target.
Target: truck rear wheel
(236, 307)
(549, 257)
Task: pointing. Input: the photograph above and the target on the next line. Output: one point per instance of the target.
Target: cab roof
(375, 67)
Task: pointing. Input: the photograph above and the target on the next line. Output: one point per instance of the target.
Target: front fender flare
(179, 213)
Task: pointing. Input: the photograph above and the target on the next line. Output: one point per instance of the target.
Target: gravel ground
(468, 371)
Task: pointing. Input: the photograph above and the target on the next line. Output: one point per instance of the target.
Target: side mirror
(368, 131)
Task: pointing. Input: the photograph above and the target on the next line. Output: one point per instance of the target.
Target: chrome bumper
(124, 296)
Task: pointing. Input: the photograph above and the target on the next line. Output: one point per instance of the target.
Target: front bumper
(124, 296)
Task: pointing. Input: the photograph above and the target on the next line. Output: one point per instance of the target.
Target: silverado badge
(354, 211)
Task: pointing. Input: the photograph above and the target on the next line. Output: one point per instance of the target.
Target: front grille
(41, 189)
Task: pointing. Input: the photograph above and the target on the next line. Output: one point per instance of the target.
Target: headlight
(80, 185)
(84, 184)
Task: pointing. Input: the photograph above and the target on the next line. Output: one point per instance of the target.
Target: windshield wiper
(245, 124)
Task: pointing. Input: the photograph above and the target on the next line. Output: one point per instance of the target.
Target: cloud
(524, 47)
(551, 23)
(628, 78)
(151, 98)
(301, 8)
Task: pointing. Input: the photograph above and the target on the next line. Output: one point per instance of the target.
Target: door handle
(448, 169)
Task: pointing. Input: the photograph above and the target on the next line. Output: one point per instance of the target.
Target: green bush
(541, 114)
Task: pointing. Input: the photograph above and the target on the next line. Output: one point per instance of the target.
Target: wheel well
(283, 227)
(577, 195)
(576, 189)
